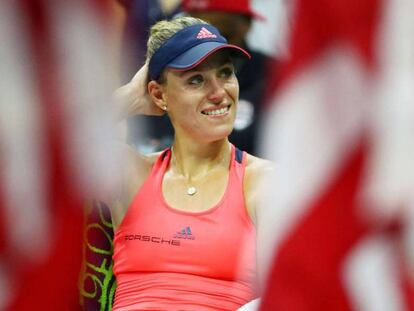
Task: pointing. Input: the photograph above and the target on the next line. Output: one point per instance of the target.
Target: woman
(184, 220)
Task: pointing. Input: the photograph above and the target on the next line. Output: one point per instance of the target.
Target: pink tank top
(166, 259)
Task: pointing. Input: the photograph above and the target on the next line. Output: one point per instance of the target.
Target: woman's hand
(133, 98)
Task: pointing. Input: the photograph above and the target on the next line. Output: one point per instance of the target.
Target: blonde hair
(164, 30)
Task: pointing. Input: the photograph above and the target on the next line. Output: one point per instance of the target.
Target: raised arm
(133, 98)
(129, 100)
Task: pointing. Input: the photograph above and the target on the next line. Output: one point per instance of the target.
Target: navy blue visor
(188, 48)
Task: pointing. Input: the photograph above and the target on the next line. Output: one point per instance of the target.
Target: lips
(216, 110)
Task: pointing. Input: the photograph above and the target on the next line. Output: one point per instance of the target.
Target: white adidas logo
(204, 33)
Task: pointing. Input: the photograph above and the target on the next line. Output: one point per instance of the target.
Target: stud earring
(164, 107)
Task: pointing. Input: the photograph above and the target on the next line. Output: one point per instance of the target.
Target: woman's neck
(195, 160)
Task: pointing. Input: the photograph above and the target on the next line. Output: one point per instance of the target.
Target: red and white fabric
(338, 212)
(55, 83)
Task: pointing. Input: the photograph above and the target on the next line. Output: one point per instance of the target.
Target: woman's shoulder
(144, 164)
(256, 171)
(258, 166)
(140, 160)
(136, 169)
(151, 158)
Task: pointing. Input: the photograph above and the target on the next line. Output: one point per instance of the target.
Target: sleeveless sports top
(168, 259)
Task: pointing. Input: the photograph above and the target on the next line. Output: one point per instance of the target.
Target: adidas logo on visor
(204, 33)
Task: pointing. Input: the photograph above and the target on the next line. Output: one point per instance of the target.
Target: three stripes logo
(185, 233)
(205, 33)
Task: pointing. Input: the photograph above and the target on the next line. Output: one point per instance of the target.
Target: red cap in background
(228, 6)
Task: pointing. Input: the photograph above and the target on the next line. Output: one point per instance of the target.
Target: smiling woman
(185, 217)
(201, 101)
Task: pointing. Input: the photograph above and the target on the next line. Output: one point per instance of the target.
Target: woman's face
(202, 101)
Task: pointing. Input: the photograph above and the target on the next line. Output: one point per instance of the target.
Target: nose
(216, 91)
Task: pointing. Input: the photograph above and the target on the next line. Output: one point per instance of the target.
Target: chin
(218, 134)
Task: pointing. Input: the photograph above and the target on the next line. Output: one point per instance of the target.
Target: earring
(164, 107)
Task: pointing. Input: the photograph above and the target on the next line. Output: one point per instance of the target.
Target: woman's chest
(212, 244)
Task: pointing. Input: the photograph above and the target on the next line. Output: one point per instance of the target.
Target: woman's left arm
(259, 176)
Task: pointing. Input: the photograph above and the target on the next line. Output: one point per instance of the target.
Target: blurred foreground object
(55, 87)
(340, 128)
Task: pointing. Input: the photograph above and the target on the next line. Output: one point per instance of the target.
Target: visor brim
(197, 54)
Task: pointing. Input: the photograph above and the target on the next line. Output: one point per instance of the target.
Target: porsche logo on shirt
(151, 239)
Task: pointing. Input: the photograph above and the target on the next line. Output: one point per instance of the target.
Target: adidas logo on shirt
(185, 233)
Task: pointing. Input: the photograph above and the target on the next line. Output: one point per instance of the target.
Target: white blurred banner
(337, 228)
(56, 78)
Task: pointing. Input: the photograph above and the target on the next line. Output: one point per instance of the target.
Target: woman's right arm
(129, 100)
(133, 98)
